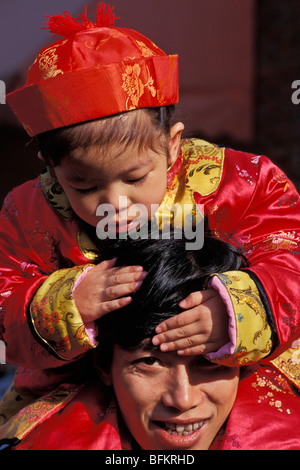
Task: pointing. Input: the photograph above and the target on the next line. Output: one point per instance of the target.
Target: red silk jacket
(247, 201)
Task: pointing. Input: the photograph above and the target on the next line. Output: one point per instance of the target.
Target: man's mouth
(181, 429)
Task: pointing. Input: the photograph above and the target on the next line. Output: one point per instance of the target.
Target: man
(139, 397)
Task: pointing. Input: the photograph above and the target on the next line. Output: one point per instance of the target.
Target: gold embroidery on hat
(134, 86)
(48, 60)
(161, 93)
(145, 50)
(95, 45)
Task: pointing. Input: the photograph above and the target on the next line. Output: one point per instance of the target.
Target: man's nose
(180, 392)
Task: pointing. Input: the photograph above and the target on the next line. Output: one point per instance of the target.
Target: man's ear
(104, 376)
(174, 142)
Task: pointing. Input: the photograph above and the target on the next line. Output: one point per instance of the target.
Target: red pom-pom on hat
(105, 18)
(66, 25)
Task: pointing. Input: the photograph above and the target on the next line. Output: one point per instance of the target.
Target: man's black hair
(173, 273)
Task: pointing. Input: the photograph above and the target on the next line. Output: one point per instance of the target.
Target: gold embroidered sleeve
(55, 317)
(252, 340)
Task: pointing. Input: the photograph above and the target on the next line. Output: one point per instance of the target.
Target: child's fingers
(111, 305)
(120, 290)
(114, 277)
(197, 350)
(180, 338)
(104, 265)
(189, 343)
(197, 298)
(177, 334)
(178, 321)
(118, 284)
(109, 267)
(189, 346)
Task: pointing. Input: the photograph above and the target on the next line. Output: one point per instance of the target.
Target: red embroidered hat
(96, 70)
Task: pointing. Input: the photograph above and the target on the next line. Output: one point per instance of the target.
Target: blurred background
(238, 60)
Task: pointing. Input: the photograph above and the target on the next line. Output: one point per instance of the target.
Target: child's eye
(137, 181)
(86, 191)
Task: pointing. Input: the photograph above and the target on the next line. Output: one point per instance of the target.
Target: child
(99, 101)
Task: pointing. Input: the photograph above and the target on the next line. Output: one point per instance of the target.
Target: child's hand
(202, 328)
(106, 288)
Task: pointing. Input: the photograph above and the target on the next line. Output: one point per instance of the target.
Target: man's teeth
(183, 429)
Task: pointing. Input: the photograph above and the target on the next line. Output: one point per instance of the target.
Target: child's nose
(114, 196)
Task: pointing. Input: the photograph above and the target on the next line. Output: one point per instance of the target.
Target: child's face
(95, 179)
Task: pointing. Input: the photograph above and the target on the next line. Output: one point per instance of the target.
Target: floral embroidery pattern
(290, 196)
(55, 195)
(280, 178)
(290, 316)
(240, 317)
(269, 389)
(44, 244)
(26, 419)
(252, 301)
(289, 364)
(203, 166)
(55, 317)
(244, 174)
(227, 279)
(282, 241)
(232, 439)
(196, 151)
(255, 160)
(48, 62)
(145, 51)
(134, 86)
(44, 321)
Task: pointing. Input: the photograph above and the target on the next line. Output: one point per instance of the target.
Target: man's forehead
(145, 345)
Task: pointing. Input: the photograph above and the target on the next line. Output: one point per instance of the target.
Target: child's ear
(40, 156)
(174, 142)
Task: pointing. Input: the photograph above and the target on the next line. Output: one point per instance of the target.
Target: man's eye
(149, 361)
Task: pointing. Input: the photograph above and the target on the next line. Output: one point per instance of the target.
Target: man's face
(170, 402)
